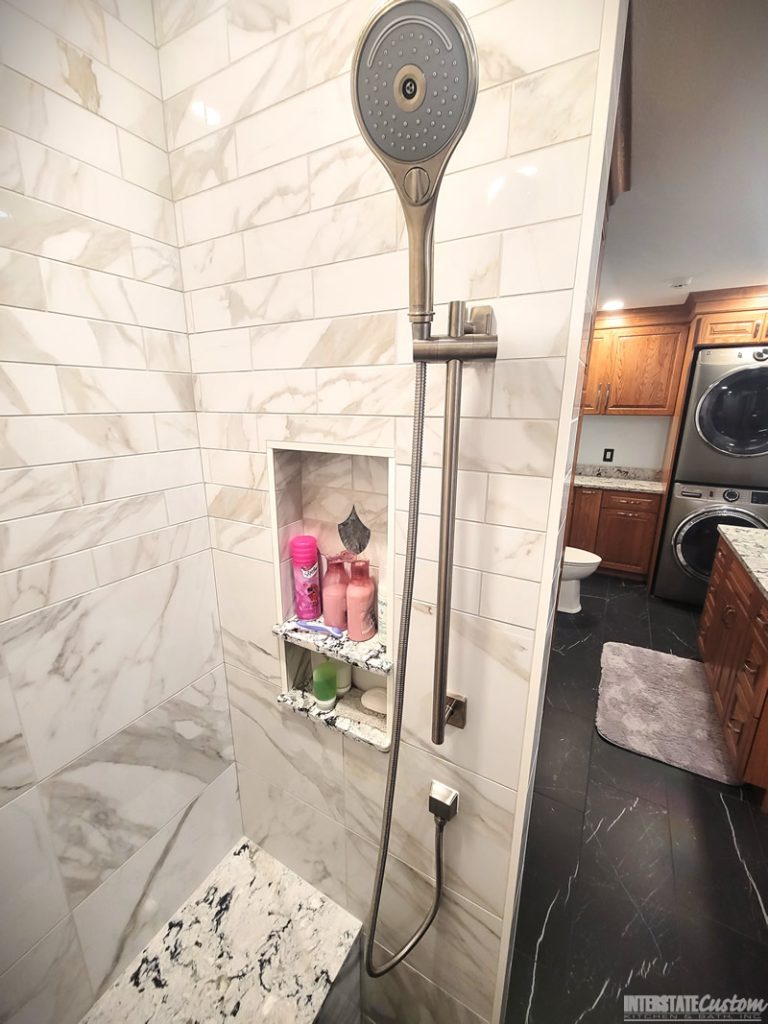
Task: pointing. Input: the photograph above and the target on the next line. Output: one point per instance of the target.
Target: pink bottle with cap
(361, 593)
(306, 576)
(335, 583)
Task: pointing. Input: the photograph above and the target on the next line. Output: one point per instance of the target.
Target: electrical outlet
(607, 454)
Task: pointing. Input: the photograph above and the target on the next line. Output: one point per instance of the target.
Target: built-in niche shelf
(313, 489)
(370, 655)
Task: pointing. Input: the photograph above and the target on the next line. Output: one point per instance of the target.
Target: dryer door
(732, 415)
(695, 539)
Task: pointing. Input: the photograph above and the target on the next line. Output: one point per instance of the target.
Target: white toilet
(577, 565)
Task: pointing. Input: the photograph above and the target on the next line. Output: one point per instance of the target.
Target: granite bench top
(751, 548)
(613, 483)
(254, 943)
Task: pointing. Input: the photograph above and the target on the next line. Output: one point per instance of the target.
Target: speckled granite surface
(751, 548)
(607, 483)
(254, 942)
(349, 716)
(367, 654)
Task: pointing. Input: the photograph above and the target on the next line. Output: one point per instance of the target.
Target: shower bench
(254, 943)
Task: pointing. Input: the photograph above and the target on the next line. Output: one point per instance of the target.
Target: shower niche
(342, 495)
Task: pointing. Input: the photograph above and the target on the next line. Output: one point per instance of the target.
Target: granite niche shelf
(367, 654)
(348, 717)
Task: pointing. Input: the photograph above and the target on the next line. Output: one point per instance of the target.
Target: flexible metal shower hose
(397, 713)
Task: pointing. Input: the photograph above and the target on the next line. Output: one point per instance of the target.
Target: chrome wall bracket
(469, 338)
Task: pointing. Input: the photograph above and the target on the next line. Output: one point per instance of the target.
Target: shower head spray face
(414, 84)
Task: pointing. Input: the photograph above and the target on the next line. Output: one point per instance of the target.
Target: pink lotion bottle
(361, 598)
(335, 583)
(306, 576)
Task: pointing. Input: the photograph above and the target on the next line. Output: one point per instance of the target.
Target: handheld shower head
(414, 84)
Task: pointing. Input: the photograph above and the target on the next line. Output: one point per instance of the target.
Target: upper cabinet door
(646, 370)
(732, 328)
(598, 373)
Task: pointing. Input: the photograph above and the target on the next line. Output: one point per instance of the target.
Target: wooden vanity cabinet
(733, 642)
(617, 525)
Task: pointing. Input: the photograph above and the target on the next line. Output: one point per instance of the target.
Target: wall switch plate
(607, 454)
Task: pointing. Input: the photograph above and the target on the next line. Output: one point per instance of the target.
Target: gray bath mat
(660, 706)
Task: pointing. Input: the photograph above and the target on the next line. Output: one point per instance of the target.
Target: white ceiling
(698, 205)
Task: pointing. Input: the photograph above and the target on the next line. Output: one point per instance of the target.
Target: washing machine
(725, 433)
(691, 535)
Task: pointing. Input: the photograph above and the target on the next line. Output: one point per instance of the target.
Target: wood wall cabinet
(733, 328)
(634, 371)
(620, 526)
(733, 642)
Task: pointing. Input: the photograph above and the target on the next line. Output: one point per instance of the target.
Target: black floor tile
(627, 618)
(674, 628)
(720, 872)
(563, 762)
(631, 773)
(537, 993)
(719, 961)
(551, 865)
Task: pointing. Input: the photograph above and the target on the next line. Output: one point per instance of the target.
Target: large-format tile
(247, 612)
(16, 771)
(553, 105)
(490, 665)
(49, 984)
(105, 805)
(32, 897)
(301, 757)
(404, 994)
(87, 667)
(35, 586)
(477, 842)
(116, 921)
(562, 766)
(459, 952)
(133, 555)
(281, 824)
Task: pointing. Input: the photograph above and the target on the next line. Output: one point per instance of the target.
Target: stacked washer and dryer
(721, 471)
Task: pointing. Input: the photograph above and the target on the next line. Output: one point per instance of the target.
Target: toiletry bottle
(361, 596)
(324, 686)
(335, 583)
(306, 576)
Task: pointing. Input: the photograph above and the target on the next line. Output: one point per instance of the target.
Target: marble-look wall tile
(108, 479)
(185, 503)
(32, 897)
(342, 341)
(238, 503)
(460, 951)
(235, 469)
(478, 843)
(279, 823)
(107, 804)
(176, 430)
(21, 282)
(166, 350)
(117, 920)
(42, 115)
(217, 261)
(390, 999)
(16, 772)
(81, 22)
(528, 388)
(37, 586)
(466, 584)
(132, 55)
(471, 491)
(77, 679)
(194, 54)
(241, 539)
(221, 350)
(155, 262)
(174, 16)
(66, 181)
(34, 539)
(42, 230)
(553, 106)
(128, 557)
(32, 335)
(269, 195)
(376, 431)
(47, 439)
(345, 171)
(509, 600)
(28, 389)
(144, 164)
(324, 236)
(490, 664)
(260, 391)
(521, 501)
(11, 176)
(105, 391)
(301, 757)
(247, 611)
(540, 258)
(49, 984)
(260, 301)
(137, 15)
(203, 164)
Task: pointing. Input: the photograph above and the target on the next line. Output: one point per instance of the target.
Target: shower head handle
(414, 85)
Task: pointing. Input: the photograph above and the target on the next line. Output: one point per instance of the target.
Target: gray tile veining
(254, 940)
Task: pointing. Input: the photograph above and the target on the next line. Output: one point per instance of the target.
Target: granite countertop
(612, 483)
(254, 941)
(751, 548)
(349, 716)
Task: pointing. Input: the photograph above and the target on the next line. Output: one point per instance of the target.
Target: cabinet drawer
(742, 583)
(631, 501)
(752, 675)
(739, 727)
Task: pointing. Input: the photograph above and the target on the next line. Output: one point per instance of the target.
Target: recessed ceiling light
(612, 304)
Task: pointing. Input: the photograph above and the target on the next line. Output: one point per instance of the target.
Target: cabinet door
(598, 373)
(584, 518)
(733, 625)
(731, 328)
(645, 371)
(625, 540)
